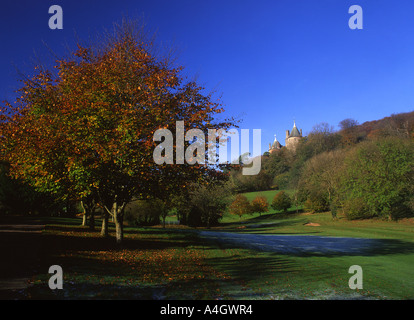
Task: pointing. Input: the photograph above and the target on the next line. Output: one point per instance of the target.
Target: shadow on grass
(37, 252)
(285, 219)
(20, 254)
(89, 291)
(64, 238)
(268, 227)
(27, 253)
(39, 220)
(307, 246)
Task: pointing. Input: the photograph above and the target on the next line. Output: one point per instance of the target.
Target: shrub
(357, 209)
(317, 202)
(240, 206)
(143, 212)
(260, 205)
(281, 201)
(208, 203)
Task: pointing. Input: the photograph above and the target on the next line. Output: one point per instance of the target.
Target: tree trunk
(84, 219)
(88, 211)
(208, 221)
(104, 230)
(118, 215)
(119, 227)
(85, 215)
(296, 203)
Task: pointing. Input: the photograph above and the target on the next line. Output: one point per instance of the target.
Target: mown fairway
(176, 263)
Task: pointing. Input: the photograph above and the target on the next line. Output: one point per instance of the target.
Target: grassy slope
(269, 194)
(158, 263)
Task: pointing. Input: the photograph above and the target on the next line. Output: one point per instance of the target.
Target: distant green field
(269, 194)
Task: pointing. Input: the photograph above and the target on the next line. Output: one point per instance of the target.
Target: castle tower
(293, 138)
(275, 146)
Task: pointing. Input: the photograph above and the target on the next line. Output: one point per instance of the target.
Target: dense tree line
(360, 170)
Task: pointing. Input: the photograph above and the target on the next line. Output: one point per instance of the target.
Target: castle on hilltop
(292, 140)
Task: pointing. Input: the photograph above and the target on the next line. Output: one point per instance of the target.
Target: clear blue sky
(272, 60)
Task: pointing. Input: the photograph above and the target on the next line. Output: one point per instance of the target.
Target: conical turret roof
(276, 144)
(295, 132)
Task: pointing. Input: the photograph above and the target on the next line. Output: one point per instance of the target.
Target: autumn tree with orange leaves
(85, 130)
(260, 204)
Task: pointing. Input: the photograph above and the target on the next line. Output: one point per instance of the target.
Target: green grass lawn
(269, 194)
(388, 273)
(156, 263)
